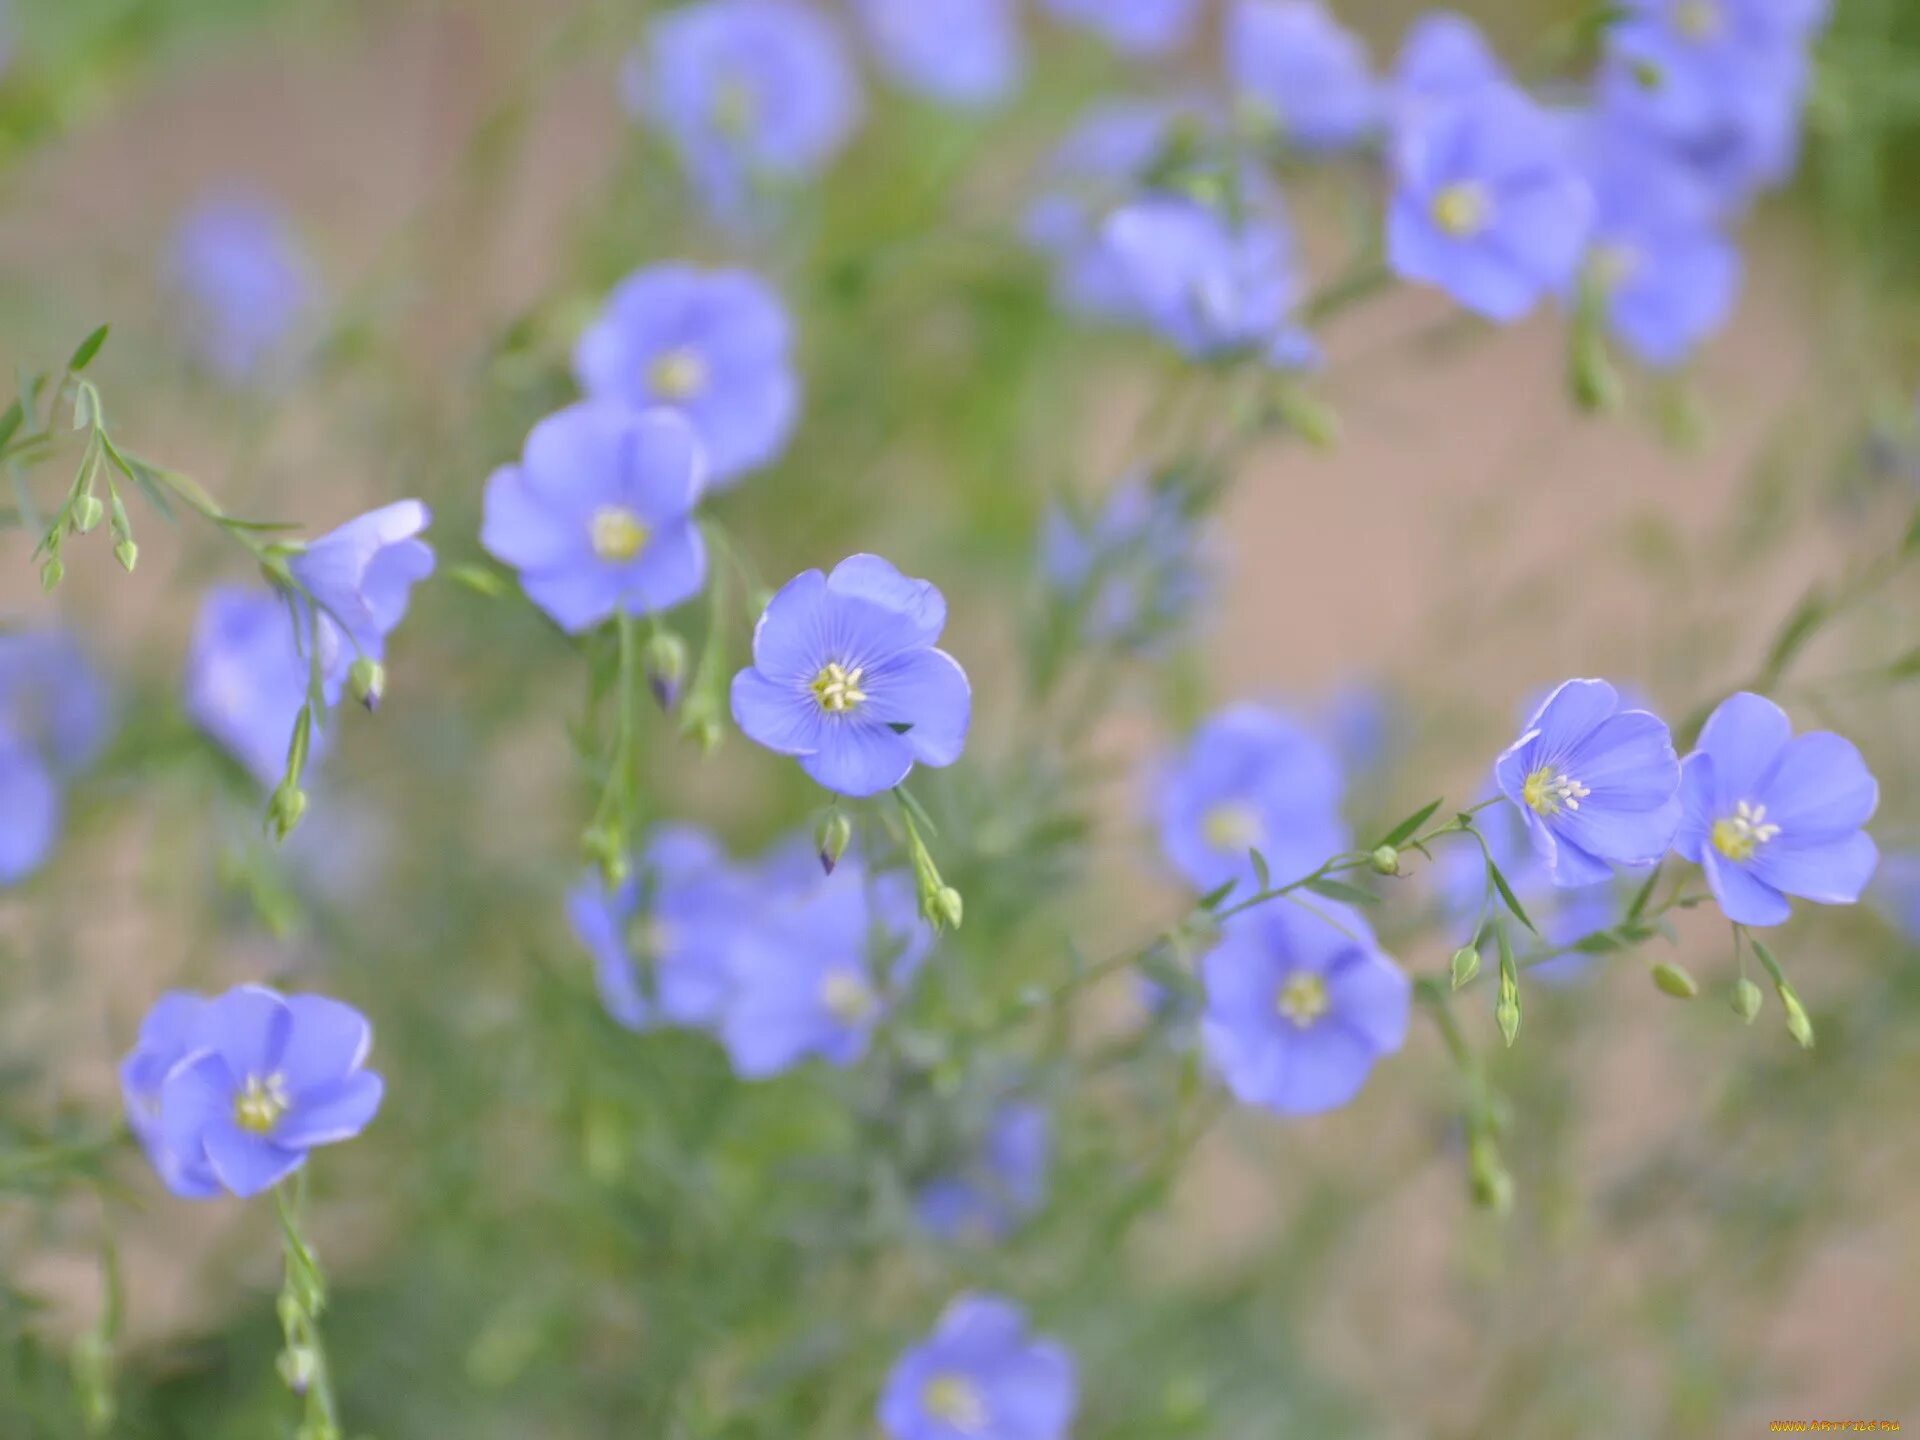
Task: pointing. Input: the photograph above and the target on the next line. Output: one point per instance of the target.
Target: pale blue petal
(784, 718)
(1744, 898)
(858, 759)
(1820, 786)
(1745, 736)
(248, 1164)
(788, 641)
(927, 690)
(327, 1041)
(331, 1113)
(868, 577)
(1827, 871)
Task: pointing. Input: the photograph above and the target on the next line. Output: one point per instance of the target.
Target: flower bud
(1673, 980)
(1385, 861)
(605, 849)
(1798, 1025)
(948, 908)
(51, 574)
(1746, 999)
(1507, 1012)
(298, 1366)
(87, 513)
(1466, 965)
(367, 679)
(831, 838)
(1491, 1185)
(127, 553)
(666, 667)
(289, 803)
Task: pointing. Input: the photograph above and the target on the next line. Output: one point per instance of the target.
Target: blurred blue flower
(167, 1036)
(752, 93)
(1897, 890)
(715, 345)
(1361, 720)
(662, 942)
(1669, 274)
(1135, 27)
(1487, 204)
(29, 810)
(1294, 67)
(846, 678)
(1770, 815)
(1133, 573)
(264, 1079)
(1596, 784)
(598, 515)
(1300, 1005)
(1209, 285)
(1000, 1186)
(247, 678)
(1251, 778)
(981, 1375)
(818, 968)
(361, 575)
(247, 284)
(1443, 59)
(52, 699)
(960, 52)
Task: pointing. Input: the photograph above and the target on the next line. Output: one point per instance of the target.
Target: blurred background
(564, 1230)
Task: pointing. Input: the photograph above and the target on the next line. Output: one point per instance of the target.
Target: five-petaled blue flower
(960, 52)
(1487, 204)
(598, 515)
(981, 1375)
(1250, 779)
(236, 1090)
(247, 284)
(1298, 71)
(714, 345)
(361, 576)
(1300, 1005)
(247, 678)
(1207, 282)
(751, 92)
(847, 678)
(1769, 814)
(1596, 784)
(999, 1186)
(1134, 27)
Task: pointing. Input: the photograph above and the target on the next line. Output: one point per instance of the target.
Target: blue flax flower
(1251, 778)
(752, 93)
(1487, 203)
(1206, 282)
(247, 284)
(818, 968)
(262, 1080)
(1300, 1005)
(1133, 573)
(1444, 58)
(1134, 27)
(847, 678)
(1596, 784)
(247, 678)
(1769, 814)
(1002, 1184)
(598, 515)
(361, 576)
(981, 1375)
(29, 810)
(662, 942)
(1298, 71)
(960, 52)
(715, 345)
(167, 1036)
(52, 698)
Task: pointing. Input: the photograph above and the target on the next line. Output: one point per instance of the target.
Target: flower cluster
(54, 719)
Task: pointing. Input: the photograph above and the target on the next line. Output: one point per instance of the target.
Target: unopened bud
(1466, 965)
(128, 554)
(298, 1366)
(367, 679)
(1385, 860)
(948, 908)
(1507, 1012)
(666, 667)
(831, 839)
(1746, 999)
(1492, 1186)
(87, 513)
(1798, 1025)
(1674, 981)
(51, 574)
(606, 850)
(289, 803)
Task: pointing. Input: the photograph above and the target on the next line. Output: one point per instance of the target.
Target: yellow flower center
(1698, 20)
(1232, 825)
(957, 1401)
(1302, 998)
(1462, 209)
(260, 1104)
(736, 105)
(847, 996)
(1743, 832)
(618, 533)
(1548, 791)
(837, 688)
(677, 375)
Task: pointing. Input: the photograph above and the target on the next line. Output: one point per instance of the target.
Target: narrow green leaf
(917, 812)
(1506, 894)
(10, 422)
(1410, 826)
(1340, 890)
(1262, 873)
(89, 347)
(1212, 899)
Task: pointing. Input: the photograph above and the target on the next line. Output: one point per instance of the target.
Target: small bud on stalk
(832, 837)
(666, 667)
(367, 679)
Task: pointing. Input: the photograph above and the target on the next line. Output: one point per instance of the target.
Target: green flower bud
(1507, 1012)
(1491, 1185)
(127, 553)
(831, 838)
(1798, 1025)
(1674, 981)
(87, 513)
(1466, 965)
(289, 803)
(1746, 999)
(367, 679)
(948, 908)
(666, 667)
(51, 574)
(1385, 861)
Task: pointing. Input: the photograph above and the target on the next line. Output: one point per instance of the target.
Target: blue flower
(714, 345)
(662, 942)
(52, 698)
(1002, 1184)
(247, 678)
(247, 283)
(818, 968)
(1487, 204)
(960, 52)
(1770, 815)
(752, 93)
(1135, 27)
(1668, 273)
(1596, 784)
(1293, 64)
(1299, 1007)
(598, 515)
(1208, 284)
(167, 1036)
(29, 811)
(361, 576)
(846, 677)
(1444, 58)
(1250, 779)
(1133, 573)
(262, 1080)
(981, 1375)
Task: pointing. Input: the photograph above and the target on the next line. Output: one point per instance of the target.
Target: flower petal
(29, 812)
(1697, 792)
(1372, 997)
(576, 597)
(927, 690)
(1744, 898)
(328, 1041)
(783, 717)
(248, 1027)
(670, 570)
(1568, 716)
(788, 640)
(859, 758)
(332, 1112)
(666, 465)
(248, 1164)
(868, 577)
(1826, 871)
(1745, 736)
(1820, 786)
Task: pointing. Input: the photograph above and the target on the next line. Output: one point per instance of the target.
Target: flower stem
(303, 1298)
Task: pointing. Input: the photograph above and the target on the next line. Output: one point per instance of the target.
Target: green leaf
(10, 422)
(89, 347)
(1340, 890)
(1262, 873)
(900, 727)
(1211, 900)
(916, 812)
(1410, 826)
(1506, 894)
